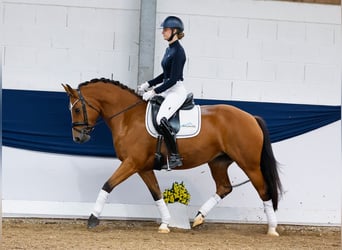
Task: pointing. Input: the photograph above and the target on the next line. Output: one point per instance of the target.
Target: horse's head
(83, 115)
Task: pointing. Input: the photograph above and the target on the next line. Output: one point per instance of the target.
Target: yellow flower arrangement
(178, 193)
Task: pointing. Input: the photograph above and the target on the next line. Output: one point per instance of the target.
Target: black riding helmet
(173, 22)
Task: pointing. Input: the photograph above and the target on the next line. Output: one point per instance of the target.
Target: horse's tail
(269, 166)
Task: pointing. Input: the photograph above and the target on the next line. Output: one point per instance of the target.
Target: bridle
(88, 128)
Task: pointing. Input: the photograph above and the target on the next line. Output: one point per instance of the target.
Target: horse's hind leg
(255, 175)
(218, 168)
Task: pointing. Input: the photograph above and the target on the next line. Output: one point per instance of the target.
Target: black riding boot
(170, 140)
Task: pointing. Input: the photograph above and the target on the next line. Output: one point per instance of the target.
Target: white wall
(237, 50)
(259, 50)
(51, 42)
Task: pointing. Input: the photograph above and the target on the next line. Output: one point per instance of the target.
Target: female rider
(169, 84)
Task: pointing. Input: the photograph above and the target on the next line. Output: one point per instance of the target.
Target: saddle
(157, 100)
(188, 127)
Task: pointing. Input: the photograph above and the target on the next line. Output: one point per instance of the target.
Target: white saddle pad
(189, 121)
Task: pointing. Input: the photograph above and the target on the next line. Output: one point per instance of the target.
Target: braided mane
(105, 80)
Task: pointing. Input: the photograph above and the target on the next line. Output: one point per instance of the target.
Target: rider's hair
(180, 35)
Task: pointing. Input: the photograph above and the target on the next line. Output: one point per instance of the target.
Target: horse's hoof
(163, 229)
(272, 232)
(93, 221)
(199, 219)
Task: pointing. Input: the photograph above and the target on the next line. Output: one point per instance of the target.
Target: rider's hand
(148, 95)
(143, 87)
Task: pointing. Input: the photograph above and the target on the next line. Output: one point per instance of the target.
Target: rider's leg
(170, 140)
(174, 98)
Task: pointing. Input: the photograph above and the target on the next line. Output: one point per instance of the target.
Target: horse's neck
(118, 103)
(113, 99)
(125, 114)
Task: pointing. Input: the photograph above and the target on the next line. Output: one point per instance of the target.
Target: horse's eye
(77, 110)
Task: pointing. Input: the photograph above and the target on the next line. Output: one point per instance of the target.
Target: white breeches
(174, 98)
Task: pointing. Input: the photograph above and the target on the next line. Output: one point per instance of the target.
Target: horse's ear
(68, 89)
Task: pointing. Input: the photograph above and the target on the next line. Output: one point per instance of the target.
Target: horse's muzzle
(81, 138)
(82, 135)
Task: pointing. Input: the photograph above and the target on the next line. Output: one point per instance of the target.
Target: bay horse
(227, 135)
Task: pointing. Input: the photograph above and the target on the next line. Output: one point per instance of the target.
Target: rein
(122, 111)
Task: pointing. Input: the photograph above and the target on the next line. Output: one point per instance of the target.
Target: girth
(157, 100)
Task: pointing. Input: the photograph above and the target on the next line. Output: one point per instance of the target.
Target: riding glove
(143, 87)
(148, 95)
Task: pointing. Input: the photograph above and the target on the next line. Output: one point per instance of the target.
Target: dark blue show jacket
(173, 64)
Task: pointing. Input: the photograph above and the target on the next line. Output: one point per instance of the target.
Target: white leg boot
(100, 202)
(205, 209)
(93, 220)
(271, 218)
(165, 216)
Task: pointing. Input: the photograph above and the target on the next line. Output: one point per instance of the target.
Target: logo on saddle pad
(187, 121)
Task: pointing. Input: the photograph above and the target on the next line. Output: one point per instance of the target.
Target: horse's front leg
(151, 182)
(125, 170)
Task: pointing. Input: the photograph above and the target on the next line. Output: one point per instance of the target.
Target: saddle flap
(156, 102)
(188, 122)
